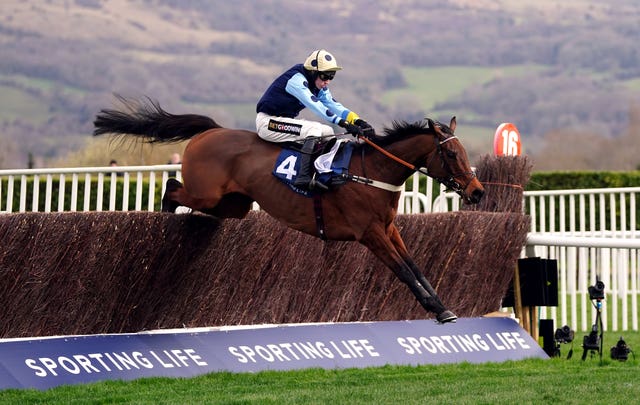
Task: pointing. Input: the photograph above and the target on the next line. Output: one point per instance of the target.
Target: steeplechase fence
(590, 233)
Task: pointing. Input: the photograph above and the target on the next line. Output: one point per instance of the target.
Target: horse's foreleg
(396, 239)
(382, 246)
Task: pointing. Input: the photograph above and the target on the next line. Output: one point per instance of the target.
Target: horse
(225, 170)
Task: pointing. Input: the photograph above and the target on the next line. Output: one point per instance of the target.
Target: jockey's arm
(323, 106)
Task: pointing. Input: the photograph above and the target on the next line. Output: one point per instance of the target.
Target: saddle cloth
(329, 166)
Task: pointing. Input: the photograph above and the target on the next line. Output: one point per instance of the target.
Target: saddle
(296, 165)
(320, 145)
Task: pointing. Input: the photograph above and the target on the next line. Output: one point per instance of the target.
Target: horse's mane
(402, 129)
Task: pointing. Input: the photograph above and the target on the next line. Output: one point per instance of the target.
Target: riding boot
(306, 175)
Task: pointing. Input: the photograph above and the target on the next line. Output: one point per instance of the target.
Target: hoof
(446, 316)
(173, 184)
(168, 205)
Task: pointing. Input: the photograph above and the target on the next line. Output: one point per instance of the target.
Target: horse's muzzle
(474, 192)
(476, 196)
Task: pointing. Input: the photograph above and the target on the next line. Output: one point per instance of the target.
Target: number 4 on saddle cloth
(327, 164)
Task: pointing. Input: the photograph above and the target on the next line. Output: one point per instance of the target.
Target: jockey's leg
(306, 175)
(283, 129)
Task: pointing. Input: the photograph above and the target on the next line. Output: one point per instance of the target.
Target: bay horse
(225, 170)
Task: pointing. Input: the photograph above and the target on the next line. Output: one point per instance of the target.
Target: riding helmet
(322, 61)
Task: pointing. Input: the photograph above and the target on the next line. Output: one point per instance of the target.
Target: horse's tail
(148, 120)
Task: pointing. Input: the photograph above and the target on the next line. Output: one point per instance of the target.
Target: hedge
(582, 180)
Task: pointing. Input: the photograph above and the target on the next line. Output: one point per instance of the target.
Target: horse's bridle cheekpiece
(450, 182)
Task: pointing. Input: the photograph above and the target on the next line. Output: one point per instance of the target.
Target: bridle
(450, 181)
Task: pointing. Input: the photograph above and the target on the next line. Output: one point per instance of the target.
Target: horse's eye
(451, 154)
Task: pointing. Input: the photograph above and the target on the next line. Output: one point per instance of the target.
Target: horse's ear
(431, 123)
(452, 124)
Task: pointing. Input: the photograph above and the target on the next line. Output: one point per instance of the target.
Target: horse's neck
(410, 150)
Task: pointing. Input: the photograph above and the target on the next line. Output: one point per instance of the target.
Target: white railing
(589, 232)
(415, 201)
(587, 212)
(615, 261)
(90, 184)
(91, 188)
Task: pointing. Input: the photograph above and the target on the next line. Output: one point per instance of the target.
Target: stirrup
(313, 184)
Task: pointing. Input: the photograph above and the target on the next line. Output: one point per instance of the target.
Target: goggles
(326, 75)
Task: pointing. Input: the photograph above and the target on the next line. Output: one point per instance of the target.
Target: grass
(430, 86)
(20, 98)
(633, 84)
(16, 103)
(40, 84)
(556, 380)
(434, 85)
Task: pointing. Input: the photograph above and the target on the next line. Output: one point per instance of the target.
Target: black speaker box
(538, 283)
(547, 334)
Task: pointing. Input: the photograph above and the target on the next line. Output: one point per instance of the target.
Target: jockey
(305, 85)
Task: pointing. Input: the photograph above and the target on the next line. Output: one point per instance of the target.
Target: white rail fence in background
(97, 189)
(91, 188)
(589, 232)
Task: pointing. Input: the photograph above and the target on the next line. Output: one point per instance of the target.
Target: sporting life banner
(48, 362)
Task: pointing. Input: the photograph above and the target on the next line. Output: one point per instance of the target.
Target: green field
(433, 85)
(534, 381)
(429, 86)
(21, 98)
(18, 104)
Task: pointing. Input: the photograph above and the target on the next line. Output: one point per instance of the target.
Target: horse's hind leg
(175, 196)
(232, 205)
(171, 189)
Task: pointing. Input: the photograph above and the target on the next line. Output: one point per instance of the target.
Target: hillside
(548, 67)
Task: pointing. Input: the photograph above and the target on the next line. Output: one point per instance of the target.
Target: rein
(449, 182)
(388, 154)
(493, 183)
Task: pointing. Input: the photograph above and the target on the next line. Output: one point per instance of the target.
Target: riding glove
(367, 129)
(351, 129)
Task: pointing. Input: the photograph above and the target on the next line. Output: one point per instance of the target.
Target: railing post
(125, 192)
(87, 192)
(48, 194)
(36, 193)
(61, 193)
(23, 193)
(74, 192)
(152, 192)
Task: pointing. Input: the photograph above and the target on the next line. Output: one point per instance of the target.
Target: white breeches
(281, 129)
